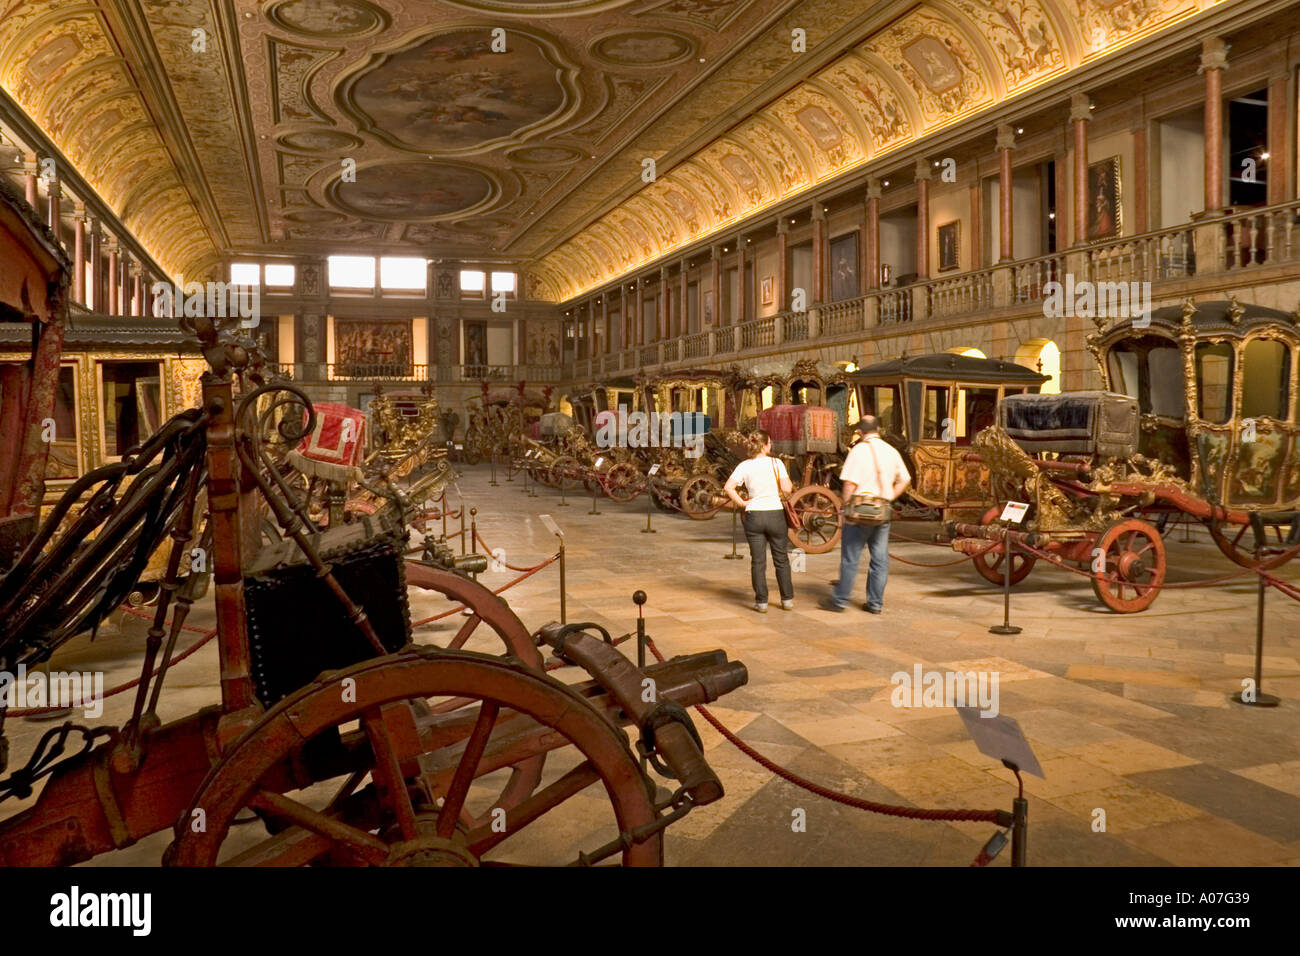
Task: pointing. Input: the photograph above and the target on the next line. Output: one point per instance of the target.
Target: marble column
(1214, 60)
(871, 239)
(742, 283)
(1006, 208)
(1140, 202)
(31, 168)
(79, 253)
(665, 306)
(782, 262)
(111, 300)
(923, 174)
(1278, 156)
(817, 294)
(1080, 115)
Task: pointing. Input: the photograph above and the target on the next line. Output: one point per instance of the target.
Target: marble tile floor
(1128, 715)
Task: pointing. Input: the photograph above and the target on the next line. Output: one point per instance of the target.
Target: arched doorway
(973, 353)
(1042, 355)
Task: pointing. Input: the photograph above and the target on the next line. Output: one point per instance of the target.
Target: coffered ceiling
(509, 129)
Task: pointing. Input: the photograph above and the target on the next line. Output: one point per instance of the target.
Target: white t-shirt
(759, 478)
(874, 466)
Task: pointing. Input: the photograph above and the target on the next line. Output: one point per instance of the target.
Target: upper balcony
(1259, 246)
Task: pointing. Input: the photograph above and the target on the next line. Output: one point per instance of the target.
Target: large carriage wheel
(470, 452)
(1135, 566)
(989, 564)
(565, 472)
(820, 519)
(491, 610)
(398, 800)
(702, 497)
(1270, 555)
(623, 482)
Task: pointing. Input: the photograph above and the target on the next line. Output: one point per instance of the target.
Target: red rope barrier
(207, 636)
(509, 584)
(871, 806)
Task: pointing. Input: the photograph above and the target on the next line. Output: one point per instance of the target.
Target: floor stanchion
(1008, 556)
(733, 556)
(1255, 696)
(595, 485)
(649, 510)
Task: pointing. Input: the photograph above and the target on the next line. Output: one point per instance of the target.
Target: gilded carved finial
(1235, 309)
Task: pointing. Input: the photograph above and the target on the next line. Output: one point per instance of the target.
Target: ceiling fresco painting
(510, 130)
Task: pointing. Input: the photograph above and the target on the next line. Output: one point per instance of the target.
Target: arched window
(1043, 356)
(973, 353)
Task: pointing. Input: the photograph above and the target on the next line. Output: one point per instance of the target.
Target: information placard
(1001, 738)
(551, 526)
(654, 470)
(1015, 511)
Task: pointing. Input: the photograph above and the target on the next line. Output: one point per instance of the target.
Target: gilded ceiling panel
(935, 65)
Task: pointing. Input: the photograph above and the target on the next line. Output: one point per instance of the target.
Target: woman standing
(764, 479)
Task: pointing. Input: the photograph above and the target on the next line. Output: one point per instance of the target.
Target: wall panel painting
(366, 347)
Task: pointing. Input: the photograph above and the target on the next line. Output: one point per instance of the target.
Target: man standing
(874, 474)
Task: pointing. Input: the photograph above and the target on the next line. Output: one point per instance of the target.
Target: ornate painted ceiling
(509, 129)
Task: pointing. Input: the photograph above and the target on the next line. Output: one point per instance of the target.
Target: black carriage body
(1100, 424)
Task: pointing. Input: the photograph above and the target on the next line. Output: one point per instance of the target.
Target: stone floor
(1127, 714)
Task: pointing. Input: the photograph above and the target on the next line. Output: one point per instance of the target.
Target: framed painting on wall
(949, 245)
(767, 290)
(844, 267)
(1104, 206)
(370, 347)
(475, 343)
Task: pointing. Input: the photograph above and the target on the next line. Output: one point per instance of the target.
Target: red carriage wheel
(622, 482)
(702, 497)
(989, 564)
(506, 630)
(819, 517)
(565, 472)
(351, 779)
(1232, 541)
(1134, 566)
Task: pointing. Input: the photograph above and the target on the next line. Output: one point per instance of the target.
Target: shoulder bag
(869, 509)
(792, 521)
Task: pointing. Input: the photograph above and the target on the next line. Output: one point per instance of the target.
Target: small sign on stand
(649, 495)
(1012, 514)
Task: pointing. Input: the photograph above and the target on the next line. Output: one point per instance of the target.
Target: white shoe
(787, 605)
(760, 608)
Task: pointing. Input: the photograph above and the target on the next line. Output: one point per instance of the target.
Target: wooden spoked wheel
(820, 519)
(1134, 555)
(1240, 546)
(622, 482)
(492, 628)
(701, 497)
(351, 778)
(566, 473)
(989, 564)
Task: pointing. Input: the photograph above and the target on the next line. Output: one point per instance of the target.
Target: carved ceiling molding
(939, 63)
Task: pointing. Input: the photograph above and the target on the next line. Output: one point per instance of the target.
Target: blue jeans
(876, 538)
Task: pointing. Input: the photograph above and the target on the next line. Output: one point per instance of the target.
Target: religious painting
(1104, 208)
(543, 342)
(365, 348)
(844, 267)
(475, 343)
(706, 307)
(949, 244)
(767, 290)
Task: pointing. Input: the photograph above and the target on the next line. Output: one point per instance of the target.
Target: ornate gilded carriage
(930, 408)
(1199, 419)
